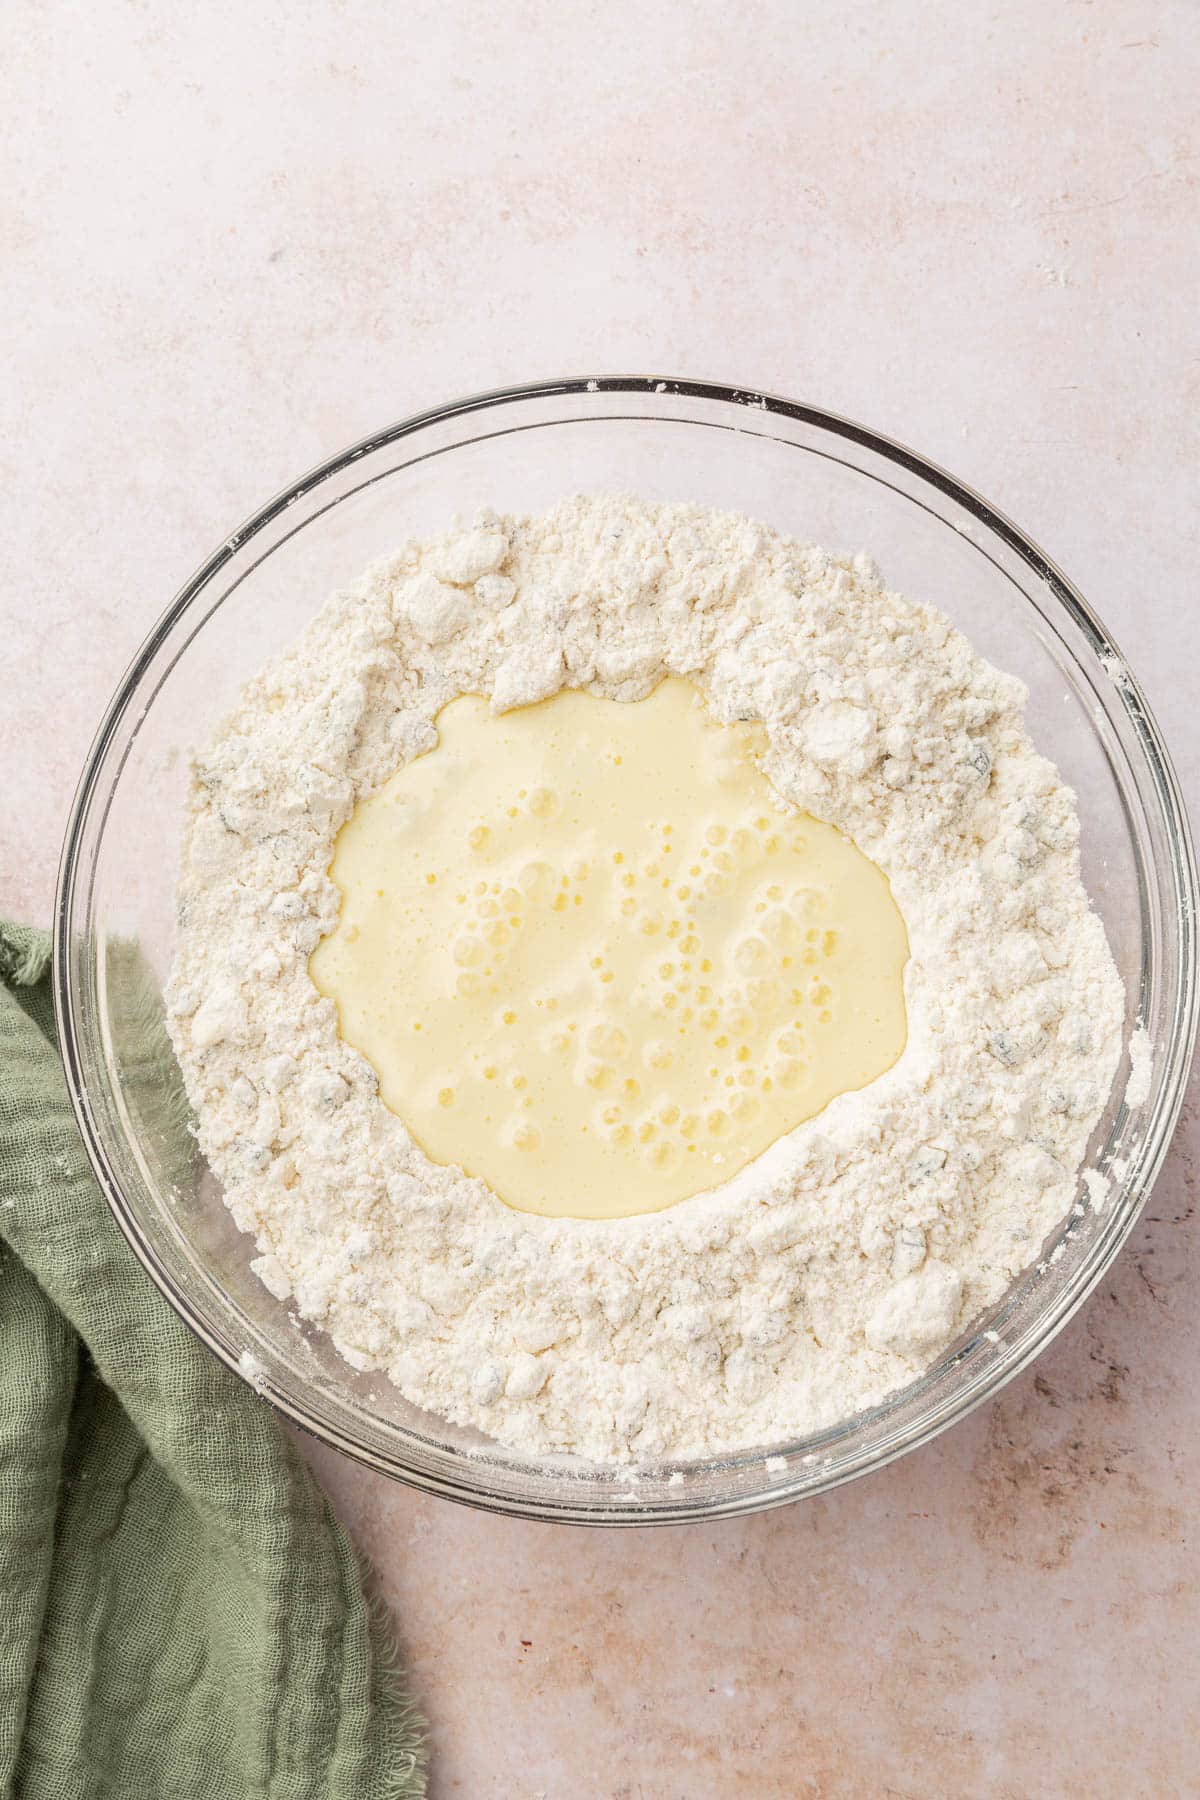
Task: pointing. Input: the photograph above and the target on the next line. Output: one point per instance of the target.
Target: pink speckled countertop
(234, 238)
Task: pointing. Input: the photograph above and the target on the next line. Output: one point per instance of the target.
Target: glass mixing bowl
(811, 475)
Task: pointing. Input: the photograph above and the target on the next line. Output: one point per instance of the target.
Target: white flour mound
(832, 1269)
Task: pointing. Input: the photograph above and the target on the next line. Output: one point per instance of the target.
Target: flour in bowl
(836, 1265)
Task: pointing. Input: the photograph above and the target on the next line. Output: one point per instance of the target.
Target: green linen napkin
(181, 1616)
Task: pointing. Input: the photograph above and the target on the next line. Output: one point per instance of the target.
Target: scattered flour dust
(835, 1267)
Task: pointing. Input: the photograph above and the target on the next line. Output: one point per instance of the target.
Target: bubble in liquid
(780, 928)
(750, 955)
(607, 1041)
(468, 951)
(789, 1073)
(598, 1075)
(762, 994)
(526, 1136)
(478, 837)
(446, 1096)
(544, 803)
(717, 1122)
(533, 876)
(657, 1055)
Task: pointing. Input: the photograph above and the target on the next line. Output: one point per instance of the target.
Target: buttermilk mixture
(634, 980)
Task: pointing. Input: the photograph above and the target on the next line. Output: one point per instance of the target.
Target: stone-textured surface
(233, 238)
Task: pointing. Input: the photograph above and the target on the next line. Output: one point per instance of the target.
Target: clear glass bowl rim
(1185, 997)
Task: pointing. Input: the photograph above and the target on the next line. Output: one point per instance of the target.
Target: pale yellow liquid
(594, 961)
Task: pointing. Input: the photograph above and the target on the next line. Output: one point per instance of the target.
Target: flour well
(837, 1265)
